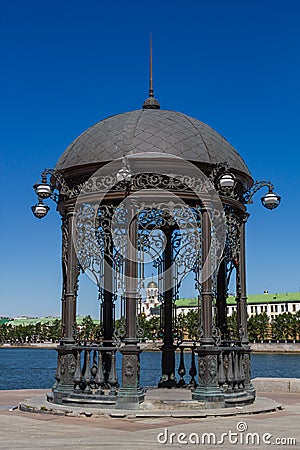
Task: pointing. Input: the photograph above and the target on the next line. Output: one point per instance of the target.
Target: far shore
(265, 347)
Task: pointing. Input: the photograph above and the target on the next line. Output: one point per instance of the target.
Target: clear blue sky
(68, 64)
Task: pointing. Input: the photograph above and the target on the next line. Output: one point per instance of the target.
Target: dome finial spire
(151, 91)
(151, 102)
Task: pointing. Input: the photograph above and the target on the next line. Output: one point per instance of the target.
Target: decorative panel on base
(130, 395)
(224, 376)
(66, 366)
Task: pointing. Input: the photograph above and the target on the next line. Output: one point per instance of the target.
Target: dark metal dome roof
(152, 285)
(150, 130)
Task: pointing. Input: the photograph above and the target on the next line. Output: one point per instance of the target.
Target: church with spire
(151, 300)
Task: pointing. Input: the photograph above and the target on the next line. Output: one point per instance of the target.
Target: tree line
(285, 326)
(46, 332)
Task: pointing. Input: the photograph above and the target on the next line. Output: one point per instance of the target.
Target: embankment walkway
(279, 429)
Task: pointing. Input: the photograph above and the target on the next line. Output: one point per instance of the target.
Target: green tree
(153, 325)
(149, 327)
(232, 327)
(294, 326)
(258, 327)
(188, 324)
(86, 328)
(297, 326)
(181, 323)
(10, 335)
(263, 326)
(281, 326)
(37, 332)
(52, 330)
(192, 324)
(3, 333)
(89, 330)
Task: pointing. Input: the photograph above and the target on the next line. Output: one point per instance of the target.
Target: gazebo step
(107, 400)
(238, 401)
(171, 404)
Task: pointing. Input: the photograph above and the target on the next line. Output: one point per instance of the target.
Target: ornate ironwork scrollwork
(232, 243)
(139, 328)
(214, 177)
(233, 221)
(216, 335)
(256, 187)
(119, 332)
(146, 180)
(73, 187)
(64, 262)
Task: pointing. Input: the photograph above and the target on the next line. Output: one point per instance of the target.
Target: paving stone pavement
(24, 430)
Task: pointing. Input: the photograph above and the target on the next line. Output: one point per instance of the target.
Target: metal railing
(95, 371)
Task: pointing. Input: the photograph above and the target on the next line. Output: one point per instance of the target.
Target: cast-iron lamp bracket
(271, 200)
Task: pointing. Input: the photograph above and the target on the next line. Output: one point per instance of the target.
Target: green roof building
(271, 304)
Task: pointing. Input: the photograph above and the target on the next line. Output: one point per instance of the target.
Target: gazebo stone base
(60, 393)
(213, 398)
(91, 400)
(243, 400)
(161, 406)
(217, 399)
(250, 390)
(129, 398)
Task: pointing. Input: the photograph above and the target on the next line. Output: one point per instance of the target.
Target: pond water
(28, 368)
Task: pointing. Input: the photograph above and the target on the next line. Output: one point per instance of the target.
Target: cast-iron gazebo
(154, 187)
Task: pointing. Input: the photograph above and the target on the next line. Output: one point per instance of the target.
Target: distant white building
(271, 304)
(151, 300)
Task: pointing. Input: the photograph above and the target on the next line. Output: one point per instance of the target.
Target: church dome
(151, 130)
(152, 285)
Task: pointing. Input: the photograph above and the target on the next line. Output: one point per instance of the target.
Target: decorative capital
(151, 103)
(245, 217)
